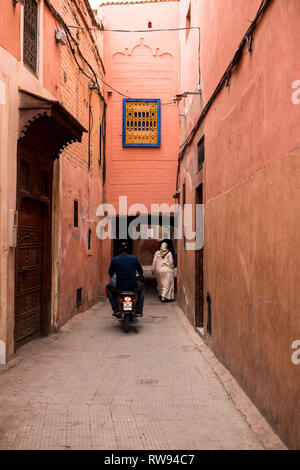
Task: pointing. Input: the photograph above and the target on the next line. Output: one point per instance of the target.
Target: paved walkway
(94, 387)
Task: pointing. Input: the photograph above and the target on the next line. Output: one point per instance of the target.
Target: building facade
(142, 121)
(228, 141)
(240, 158)
(51, 173)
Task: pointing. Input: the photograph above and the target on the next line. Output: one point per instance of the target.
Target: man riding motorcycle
(125, 267)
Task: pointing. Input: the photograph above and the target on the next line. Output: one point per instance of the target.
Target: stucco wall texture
(58, 78)
(14, 76)
(80, 268)
(142, 65)
(252, 201)
(10, 17)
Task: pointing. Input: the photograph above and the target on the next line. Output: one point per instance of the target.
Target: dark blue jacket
(125, 267)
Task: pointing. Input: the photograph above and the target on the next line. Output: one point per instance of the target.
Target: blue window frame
(141, 123)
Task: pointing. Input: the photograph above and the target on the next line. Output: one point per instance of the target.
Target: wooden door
(199, 274)
(199, 289)
(30, 271)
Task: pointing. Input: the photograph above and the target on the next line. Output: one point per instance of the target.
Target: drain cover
(188, 348)
(148, 381)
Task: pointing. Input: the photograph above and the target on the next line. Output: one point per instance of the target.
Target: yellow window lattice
(141, 123)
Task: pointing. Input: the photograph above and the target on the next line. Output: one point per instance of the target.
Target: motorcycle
(127, 302)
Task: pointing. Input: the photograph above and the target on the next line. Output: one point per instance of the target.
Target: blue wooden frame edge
(125, 100)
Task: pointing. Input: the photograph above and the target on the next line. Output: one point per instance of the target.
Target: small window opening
(183, 204)
(78, 297)
(141, 123)
(30, 35)
(100, 146)
(188, 22)
(201, 154)
(75, 213)
(89, 240)
(209, 315)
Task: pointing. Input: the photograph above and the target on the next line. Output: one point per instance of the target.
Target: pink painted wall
(252, 199)
(263, 85)
(223, 24)
(10, 28)
(75, 267)
(252, 178)
(142, 65)
(79, 268)
(51, 52)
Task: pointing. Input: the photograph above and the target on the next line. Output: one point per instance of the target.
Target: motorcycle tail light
(127, 299)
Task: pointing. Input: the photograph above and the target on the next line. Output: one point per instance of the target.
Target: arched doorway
(45, 129)
(33, 251)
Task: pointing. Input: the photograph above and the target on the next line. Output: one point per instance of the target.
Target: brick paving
(92, 386)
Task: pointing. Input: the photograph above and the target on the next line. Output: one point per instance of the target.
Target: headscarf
(163, 249)
(170, 245)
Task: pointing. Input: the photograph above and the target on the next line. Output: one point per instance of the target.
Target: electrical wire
(144, 31)
(132, 30)
(91, 125)
(129, 97)
(93, 79)
(126, 96)
(70, 38)
(225, 80)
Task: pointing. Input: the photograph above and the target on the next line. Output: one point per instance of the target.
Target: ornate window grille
(30, 44)
(141, 123)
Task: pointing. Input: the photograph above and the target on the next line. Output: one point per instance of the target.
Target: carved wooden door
(199, 273)
(30, 269)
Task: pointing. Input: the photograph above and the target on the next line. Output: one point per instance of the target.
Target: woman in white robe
(163, 268)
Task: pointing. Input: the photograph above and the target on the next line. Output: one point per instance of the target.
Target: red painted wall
(81, 174)
(51, 53)
(142, 65)
(80, 268)
(252, 201)
(262, 87)
(223, 24)
(10, 28)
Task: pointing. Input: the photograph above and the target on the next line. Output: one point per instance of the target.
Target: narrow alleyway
(94, 387)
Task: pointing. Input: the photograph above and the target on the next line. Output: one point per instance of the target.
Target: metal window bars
(30, 42)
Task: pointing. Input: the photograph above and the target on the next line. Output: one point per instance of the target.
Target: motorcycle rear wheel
(126, 323)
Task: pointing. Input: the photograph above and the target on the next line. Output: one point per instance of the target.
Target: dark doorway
(31, 278)
(45, 128)
(199, 274)
(118, 239)
(33, 251)
(144, 249)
